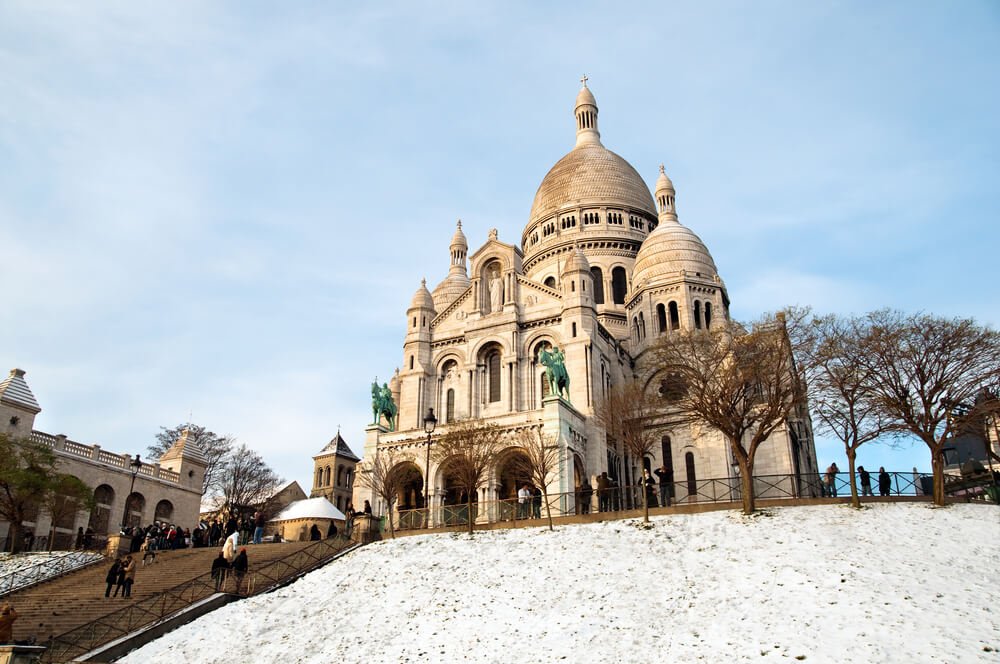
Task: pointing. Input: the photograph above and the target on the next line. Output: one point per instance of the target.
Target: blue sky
(220, 211)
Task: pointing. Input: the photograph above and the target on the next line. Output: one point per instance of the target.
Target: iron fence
(51, 567)
(619, 498)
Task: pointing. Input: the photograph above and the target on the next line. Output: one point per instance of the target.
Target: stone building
(167, 490)
(333, 473)
(602, 269)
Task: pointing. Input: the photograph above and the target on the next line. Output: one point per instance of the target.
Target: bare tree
(468, 450)
(839, 388)
(627, 415)
(539, 461)
(215, 447)
(384, 476)
(66, 496)
(926, 372)
(743, 383)
(247, 481)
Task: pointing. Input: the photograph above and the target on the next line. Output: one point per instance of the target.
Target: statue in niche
(496, 291)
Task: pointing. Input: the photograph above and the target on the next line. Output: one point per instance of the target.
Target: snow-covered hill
(889, 583)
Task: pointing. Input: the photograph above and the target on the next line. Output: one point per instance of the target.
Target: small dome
(668, 250)
(422, 298)
(585, 97)
(663, 183)
(576, 262)
(458, 240)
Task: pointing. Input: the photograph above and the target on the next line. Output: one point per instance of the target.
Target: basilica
(602, 269)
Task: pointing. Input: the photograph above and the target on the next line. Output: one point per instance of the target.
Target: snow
(891, 582)
(310, 508)
(17, 570)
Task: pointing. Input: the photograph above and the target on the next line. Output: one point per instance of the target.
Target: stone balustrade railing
(63, 445)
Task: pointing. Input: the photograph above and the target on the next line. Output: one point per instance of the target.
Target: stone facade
(602, 270)
(167, 490)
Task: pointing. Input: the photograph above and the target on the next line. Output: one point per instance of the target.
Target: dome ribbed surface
(448, 290)
(668, 250)
(591, 175)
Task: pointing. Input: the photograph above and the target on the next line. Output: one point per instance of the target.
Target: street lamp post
(429, 423)
(135, 465)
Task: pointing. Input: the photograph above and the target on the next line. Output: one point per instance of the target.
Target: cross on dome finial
(662, 169)
(460, 223)
(584, 79)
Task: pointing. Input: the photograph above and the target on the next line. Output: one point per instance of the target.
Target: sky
(219, 212)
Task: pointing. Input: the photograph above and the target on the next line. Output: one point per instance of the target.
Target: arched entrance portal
(582, 489)
(410, 497)
(513, 472)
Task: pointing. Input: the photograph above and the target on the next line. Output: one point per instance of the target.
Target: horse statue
(555, 371)
(382, 404)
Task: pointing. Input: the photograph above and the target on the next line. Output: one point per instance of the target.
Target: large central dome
(591, 175)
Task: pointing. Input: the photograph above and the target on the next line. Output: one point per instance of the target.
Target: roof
(15, 392)
(310, 508)
(186, 446)
(339, 447)
(668, 250)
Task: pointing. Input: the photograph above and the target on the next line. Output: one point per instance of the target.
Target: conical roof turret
(422, 298)
(457, 281)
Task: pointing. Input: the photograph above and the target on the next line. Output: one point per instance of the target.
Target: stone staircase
(72, 608)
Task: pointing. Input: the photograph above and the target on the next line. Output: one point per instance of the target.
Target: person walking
(240, 566)
(884, 482)
(219, 567)
(229, 547)
(866, 481)
(129, 576)
(112, 576)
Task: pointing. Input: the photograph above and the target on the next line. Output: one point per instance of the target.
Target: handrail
(54, 566)
(71, 644)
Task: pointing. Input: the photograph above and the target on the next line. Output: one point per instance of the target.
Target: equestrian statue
(382, 404)
(555, 371)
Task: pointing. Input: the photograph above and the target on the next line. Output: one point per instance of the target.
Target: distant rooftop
(15, 392)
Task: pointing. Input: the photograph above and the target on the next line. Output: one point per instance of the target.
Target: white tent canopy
(311, 508)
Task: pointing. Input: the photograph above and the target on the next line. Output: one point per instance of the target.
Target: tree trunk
(937, 468)
(392, 530)
(548, 506)
(851, 454)
(16, 535)
(468, 512)
(746, 483)
(645, 501)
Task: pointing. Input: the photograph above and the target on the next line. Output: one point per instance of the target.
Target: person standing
(129, 573)
(112, 576)
(884, 482)
(258, 527)
(240, 566)
(314, 534)
(831, 480)
(7, 617)
(536, 503)
(603, 495)
(523, 496)
(586, 495)
(665, 478)
(866, 481)
(219, 567)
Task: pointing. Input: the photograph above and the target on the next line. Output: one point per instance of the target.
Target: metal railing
(54, 565)
(618, 498)
(69, 645)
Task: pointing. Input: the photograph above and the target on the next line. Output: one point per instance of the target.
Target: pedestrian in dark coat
(666, 479)
(586, 495)
(603, 492)
(219, 567)
(884, 482)
(240, 567)
(536, 503)
(112, 577)
(866, 481)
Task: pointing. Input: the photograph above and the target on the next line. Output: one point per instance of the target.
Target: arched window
(642, 326)
(164, 511)
(675, 317)
(550, 282)
(708, 315)
(449, 408)
(136, 505)
(326, 477)
(692, 480)
(598, 276)
(340, 475)
(493, 375)
(100, 517)
(661, 318)
(619, 286)
(319, 477)
(697, 315)
(668, 456)
(411, 361)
